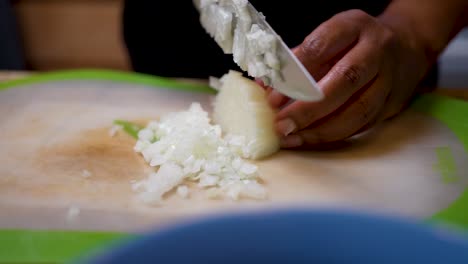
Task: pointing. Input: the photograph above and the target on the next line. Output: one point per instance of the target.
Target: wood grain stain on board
(108, 158)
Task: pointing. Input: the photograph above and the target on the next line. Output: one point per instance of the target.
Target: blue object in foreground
(294, 236)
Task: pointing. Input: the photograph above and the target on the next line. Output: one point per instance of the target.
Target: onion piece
(217, 21)
(242, 109)
(191, 148)
(183, 191)
(254, 49)
(168, 176)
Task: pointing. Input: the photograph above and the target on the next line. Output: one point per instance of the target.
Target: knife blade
(293, 79)
(297, 82)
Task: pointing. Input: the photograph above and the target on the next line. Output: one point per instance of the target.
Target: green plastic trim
(108, 75)
(33, 246)
(454, 114)
(446, 165)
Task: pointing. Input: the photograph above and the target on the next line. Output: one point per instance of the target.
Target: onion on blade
(253, 48)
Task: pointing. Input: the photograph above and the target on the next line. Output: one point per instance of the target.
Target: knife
(294, 80)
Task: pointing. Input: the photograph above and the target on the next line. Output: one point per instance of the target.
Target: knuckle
(314, 46)
(360, 15)
(352, 74)
(388, 38)
(361, 19)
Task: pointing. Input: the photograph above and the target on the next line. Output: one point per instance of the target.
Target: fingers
(277, 99)
(362, 111)
(328, 41)
(347, 77)
(274, 98)
(323, 47)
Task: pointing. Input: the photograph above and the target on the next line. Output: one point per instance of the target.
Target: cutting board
(54, 127)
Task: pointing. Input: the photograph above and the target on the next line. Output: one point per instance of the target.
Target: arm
(432, 24)
(367, 67)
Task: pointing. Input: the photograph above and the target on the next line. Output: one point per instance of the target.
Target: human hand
(367, 69)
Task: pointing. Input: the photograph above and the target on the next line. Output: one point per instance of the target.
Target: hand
(368, 71)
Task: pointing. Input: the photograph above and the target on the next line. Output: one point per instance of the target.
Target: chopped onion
(185, 146)
(114, 130)
(240, 49)
(183, 191)
(272, 60)
(214, 83)
(260, 41)
(254, 49)
(257, 68)
(72, 213)
(165, 179)
(242, 14)
(218, 22)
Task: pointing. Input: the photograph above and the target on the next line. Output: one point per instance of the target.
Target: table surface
(460, 93)
(39, 241)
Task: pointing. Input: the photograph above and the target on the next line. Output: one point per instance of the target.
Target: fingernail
(286, 126)
(291, 141)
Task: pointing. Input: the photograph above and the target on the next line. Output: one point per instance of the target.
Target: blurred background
(43, 35)
(65, 34)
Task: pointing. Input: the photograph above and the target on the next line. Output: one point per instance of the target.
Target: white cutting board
(50, 133)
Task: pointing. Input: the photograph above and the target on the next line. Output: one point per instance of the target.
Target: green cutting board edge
(38, 246)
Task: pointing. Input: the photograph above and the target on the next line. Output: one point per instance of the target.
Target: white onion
(114, 130)
(254, 49)
(157, 184)
(242, 14)
(185, 146)
(241, 108)
(72, 213)
(240, 49)
(260, 41)
(214, 83)
(217, 21)
(183, 191)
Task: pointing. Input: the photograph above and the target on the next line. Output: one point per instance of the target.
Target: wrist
(429, 24)
(414, 54)
(406, 30)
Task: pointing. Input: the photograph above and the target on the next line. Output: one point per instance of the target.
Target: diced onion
(253, 48)
(114, 130)
(72, 213)
(185, 146)
(214, 83)
(183, 191)
(218, 22)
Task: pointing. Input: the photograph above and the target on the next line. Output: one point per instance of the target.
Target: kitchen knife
(294, 80)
